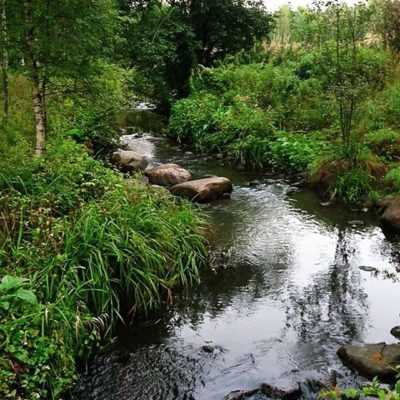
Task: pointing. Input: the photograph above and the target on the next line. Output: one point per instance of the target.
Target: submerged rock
(202, 190)
(254, 183)
(356, 222)
(391, 213)
(168, 175)
(367, 268)
(296, 386)
(395, 332)
(372, 360)
(129, 161)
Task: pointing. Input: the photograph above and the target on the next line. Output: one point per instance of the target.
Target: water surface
(286, 293)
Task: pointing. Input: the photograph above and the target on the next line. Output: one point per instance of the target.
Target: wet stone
(367, 268)
(203, 190)
(168, 175)
(372, 360)
(395, 332)
(254, 183)
(326, 203)
(356, 222)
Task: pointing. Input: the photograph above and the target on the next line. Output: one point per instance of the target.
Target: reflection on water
(292, 292)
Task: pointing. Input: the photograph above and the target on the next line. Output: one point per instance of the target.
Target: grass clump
(384, 143)
(353, 185)
(91, 249)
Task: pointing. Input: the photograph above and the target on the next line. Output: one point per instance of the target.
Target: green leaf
(4, 305)
(26, 295)
(10, 282)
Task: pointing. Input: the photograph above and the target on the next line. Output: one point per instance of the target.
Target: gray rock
(395, 332)
(294, 385)
(391, 213)
(254, 183)
(208, 348)
(129, 161)
(203, 190)
(356, 222)
(168, 175)
(372, 360)
(367, 268)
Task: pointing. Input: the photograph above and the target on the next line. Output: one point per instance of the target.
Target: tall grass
(96, 249)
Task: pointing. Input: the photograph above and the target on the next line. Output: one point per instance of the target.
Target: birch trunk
(4, 61)
(37, 97)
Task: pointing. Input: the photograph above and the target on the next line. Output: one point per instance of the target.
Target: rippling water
(288, 294)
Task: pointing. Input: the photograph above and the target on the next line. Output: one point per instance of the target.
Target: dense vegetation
(82, 248)
(322, 97)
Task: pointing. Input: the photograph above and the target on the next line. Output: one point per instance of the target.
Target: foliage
(392, 179)
(385, 143)
(163, 41)
(95, 248)
(353, 185)
(375, 389)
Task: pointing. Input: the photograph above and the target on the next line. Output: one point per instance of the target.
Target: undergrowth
(80, 250)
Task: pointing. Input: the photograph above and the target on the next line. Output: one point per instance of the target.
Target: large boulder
(372, 360)
(168, 175)
(129, 161)
(391, 213)
(202, 190)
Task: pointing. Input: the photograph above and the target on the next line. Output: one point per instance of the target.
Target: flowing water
(287, 291)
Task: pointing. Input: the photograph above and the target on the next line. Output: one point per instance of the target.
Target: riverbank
(280, 114)
(81, 249)
(288, 288)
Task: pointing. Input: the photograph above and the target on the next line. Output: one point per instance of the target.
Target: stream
(285, 292)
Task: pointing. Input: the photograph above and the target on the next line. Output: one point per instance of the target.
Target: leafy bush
(96, 249)
(292, 153)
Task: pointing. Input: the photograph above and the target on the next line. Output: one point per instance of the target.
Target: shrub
(95, 248)
(192, 118)
(291, 153)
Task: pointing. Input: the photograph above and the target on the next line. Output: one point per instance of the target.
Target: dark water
(287, 294)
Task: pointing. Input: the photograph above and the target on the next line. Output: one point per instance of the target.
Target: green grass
(95, 250)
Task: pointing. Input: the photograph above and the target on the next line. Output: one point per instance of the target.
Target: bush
(292, 153)
(95, 248)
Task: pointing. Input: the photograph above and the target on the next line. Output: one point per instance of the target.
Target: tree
(349, 70)
(387, 17)
(4, 59)
(225, 27)
(59, 41)
(166, 40)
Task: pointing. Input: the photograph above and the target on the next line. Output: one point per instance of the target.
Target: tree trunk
(4, 61)
(38, 104)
